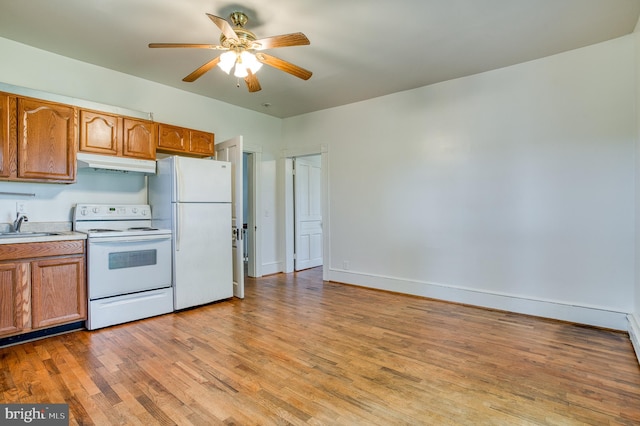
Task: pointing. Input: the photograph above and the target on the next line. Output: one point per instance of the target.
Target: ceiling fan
(244, 52)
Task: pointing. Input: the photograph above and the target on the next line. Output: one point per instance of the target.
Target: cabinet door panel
(58, 291)
(139, 139)
(201, 143)
(46, 140)
(100, 133)
(8, 134)
(172, 138)
(15, 315)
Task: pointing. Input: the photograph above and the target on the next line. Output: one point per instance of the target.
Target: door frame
(255, 205)
(286, 165)
(237, 175)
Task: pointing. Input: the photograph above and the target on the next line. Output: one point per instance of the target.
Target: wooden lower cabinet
(15, 297)
(58, 291)
(39, 289)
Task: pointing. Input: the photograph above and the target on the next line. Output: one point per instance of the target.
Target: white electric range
(129, 274)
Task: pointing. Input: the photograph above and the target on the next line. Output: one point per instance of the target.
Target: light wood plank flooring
(299, 350)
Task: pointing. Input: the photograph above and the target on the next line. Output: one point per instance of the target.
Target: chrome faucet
(20, 219)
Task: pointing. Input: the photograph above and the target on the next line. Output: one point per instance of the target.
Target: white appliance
(128, 263)
(192, 196)
(112, 162)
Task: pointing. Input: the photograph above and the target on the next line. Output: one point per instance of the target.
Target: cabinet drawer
(43, 249)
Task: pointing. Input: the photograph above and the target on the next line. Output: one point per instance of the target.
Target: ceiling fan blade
(224, 26)
(284, 40)
(283, 65)
(190, 45)
(252, 82)
(198, 73)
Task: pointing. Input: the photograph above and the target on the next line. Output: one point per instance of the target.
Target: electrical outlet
(21, 207)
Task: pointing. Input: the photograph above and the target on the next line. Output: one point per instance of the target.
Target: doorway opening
(232, 150)
(249, 222)
(306, 210)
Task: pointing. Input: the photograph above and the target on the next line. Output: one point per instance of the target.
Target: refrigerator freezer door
(201, 180)
(203, 267)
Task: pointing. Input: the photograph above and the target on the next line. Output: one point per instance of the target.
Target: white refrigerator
(192, 196)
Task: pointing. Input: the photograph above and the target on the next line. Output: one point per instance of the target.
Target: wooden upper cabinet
(47, 141)
(8, 135)
(172, 138)
(139, 139)
(110, 134)
(201, 143)
(178, 140)
(100, 133)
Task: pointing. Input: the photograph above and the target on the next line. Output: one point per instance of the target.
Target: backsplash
(53, 203)
(38, 227)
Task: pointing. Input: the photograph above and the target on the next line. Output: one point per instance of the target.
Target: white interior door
(250, 218)
(231, 151)
(308, 212)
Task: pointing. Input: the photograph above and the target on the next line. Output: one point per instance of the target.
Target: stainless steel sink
(26, 234)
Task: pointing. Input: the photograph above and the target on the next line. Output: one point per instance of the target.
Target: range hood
(110, 162)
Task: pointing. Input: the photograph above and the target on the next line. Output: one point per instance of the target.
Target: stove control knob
(83, 212)
(134, 210)
(145, 212)
(96, 209)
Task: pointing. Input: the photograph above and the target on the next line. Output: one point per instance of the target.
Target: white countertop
(60, 236)
(61, 229)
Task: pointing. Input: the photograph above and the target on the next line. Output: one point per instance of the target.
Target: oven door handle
(120, 240)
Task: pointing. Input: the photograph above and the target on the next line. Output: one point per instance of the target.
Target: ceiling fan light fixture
(227, 61)
(241, 70)
(249, 61)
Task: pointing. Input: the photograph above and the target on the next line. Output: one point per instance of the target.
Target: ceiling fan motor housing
(245, 38)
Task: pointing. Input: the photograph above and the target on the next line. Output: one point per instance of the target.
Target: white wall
(634, 317)
(512, 189)
(48, 73)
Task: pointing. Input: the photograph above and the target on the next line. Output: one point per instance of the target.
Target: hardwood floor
(301, 351)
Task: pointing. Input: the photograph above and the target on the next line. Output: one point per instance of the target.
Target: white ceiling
(359, 49)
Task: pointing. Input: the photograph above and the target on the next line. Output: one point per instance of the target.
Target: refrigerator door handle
(178, 182)
(178, 226)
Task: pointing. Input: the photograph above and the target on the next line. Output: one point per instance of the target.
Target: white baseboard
(272, 268)
(595, 316)
(634, 332)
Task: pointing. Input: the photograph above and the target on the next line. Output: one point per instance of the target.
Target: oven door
(123, 265)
